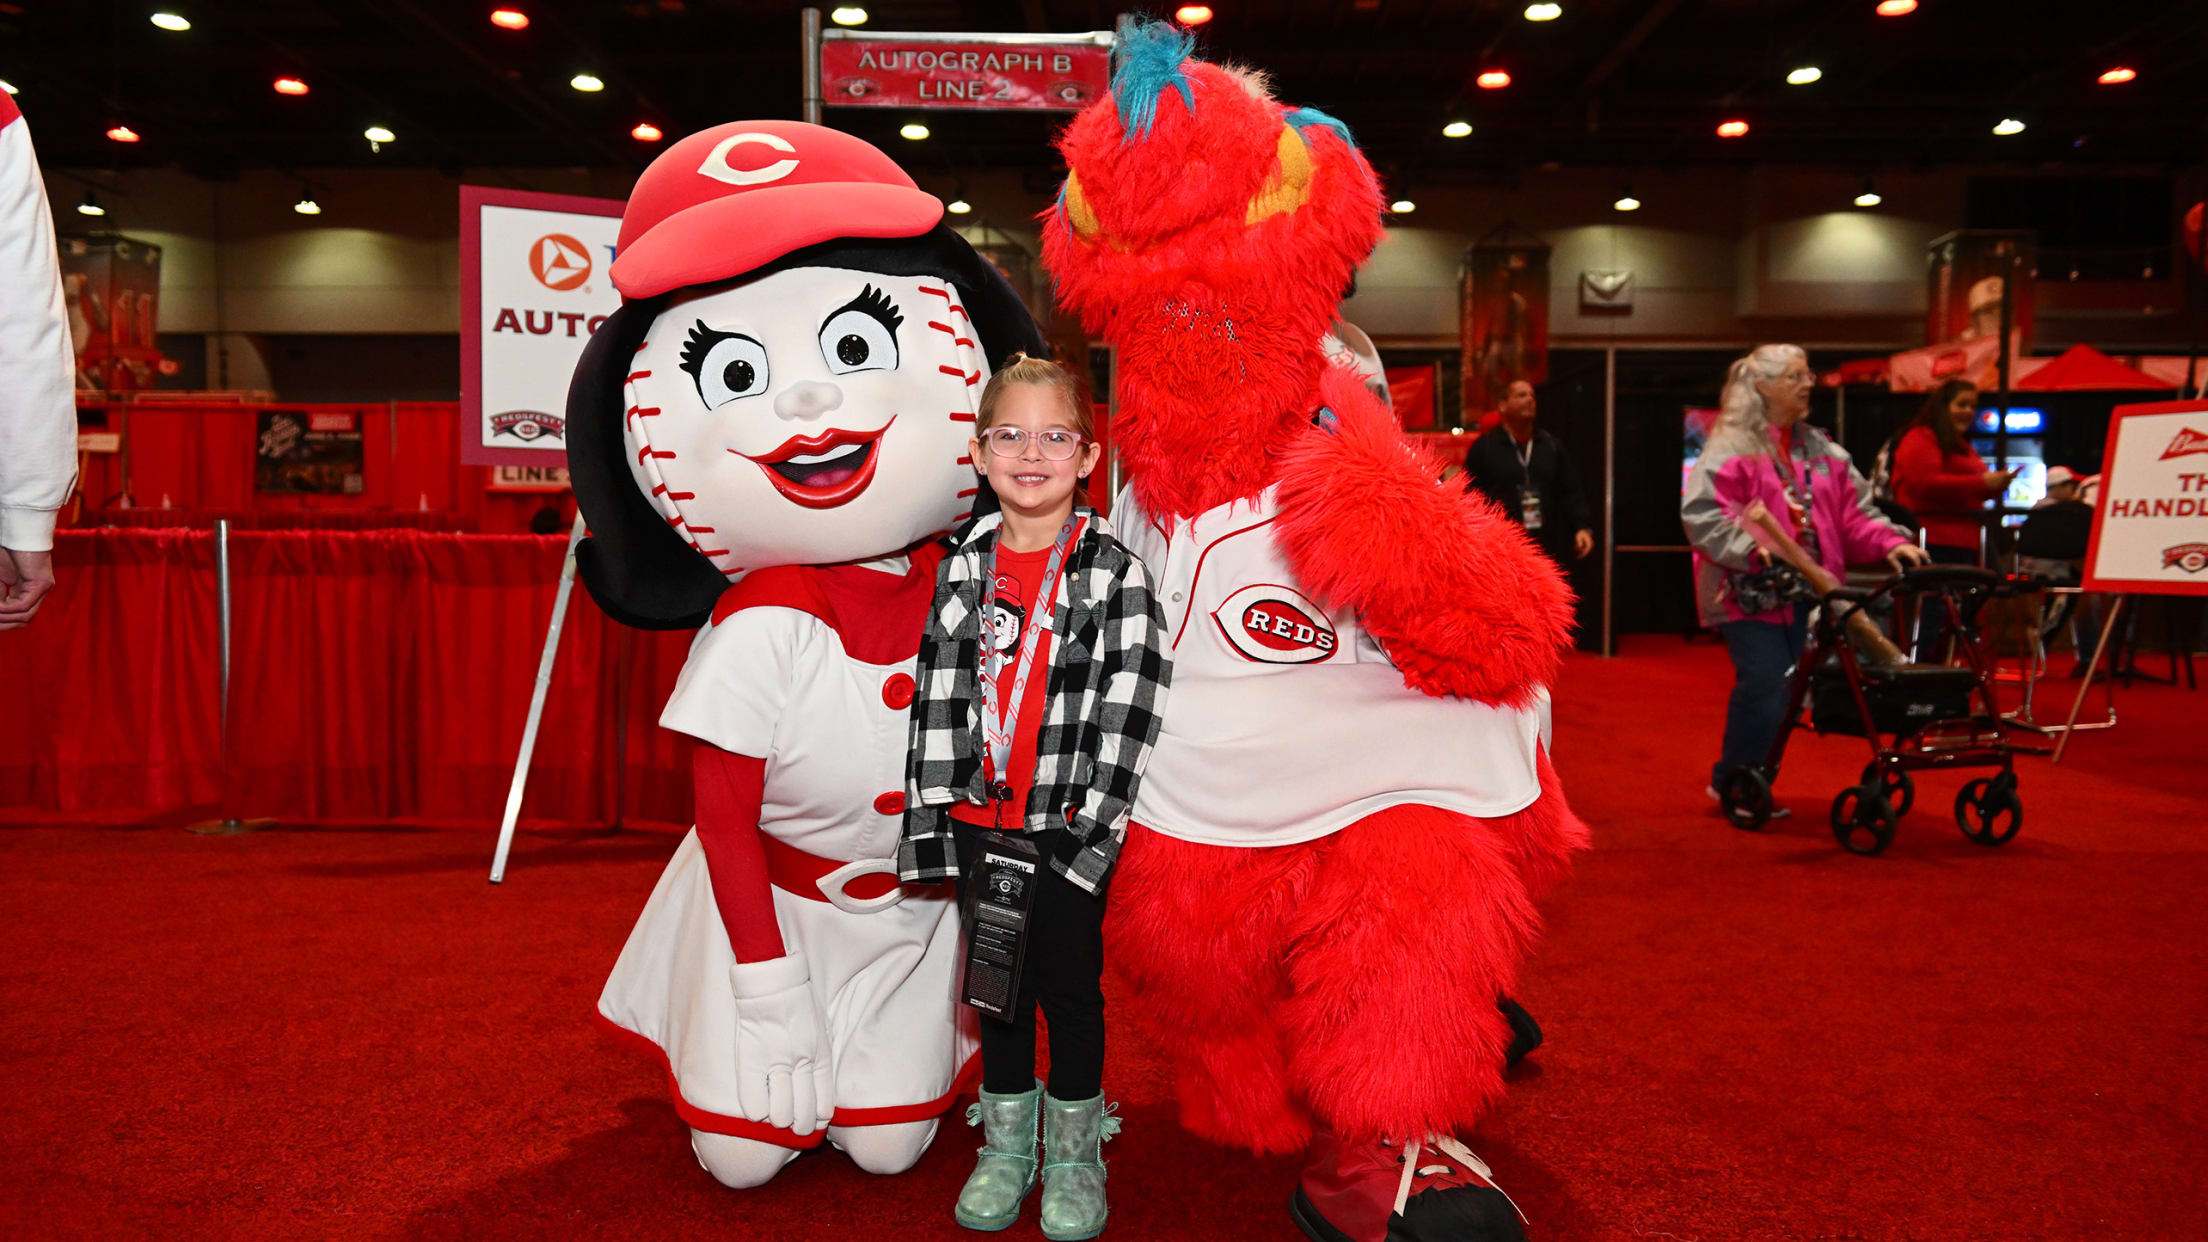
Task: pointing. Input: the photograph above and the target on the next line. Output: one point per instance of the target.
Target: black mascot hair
(639, 570)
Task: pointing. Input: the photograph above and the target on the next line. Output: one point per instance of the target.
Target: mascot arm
(1461, 599)
(730, 788)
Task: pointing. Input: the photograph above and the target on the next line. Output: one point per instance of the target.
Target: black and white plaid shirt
(1108, 676)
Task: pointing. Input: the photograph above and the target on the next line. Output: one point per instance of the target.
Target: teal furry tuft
(1305, 118)
(1149, 56)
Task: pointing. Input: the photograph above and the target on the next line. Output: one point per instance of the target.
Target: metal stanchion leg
(2100, 649)
(228, 824)
(536, 706)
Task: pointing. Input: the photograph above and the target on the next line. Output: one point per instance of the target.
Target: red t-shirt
(1947, 491)
(1019, 577)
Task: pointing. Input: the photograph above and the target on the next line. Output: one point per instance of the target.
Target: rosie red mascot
(1335, 855)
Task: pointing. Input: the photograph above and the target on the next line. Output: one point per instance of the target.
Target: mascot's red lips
(836, 466)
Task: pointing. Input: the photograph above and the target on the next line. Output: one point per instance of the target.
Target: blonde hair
(1021, 369)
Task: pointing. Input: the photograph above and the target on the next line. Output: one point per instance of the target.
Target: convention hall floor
(348, 1034)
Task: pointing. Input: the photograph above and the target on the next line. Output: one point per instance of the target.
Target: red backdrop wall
(376, 675)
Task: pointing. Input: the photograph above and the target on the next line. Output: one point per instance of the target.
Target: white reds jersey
(1288, 722)
(775, 683)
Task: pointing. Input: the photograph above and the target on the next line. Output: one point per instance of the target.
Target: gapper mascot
(1350, 810)
(767, 440)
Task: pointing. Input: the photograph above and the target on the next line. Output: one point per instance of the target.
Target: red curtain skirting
(375, 676)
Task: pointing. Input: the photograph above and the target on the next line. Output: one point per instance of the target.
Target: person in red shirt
(1945, 484)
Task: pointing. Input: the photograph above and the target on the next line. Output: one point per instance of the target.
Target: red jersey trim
(737, 1127)
(878, 616)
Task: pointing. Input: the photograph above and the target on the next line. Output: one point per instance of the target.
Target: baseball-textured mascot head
(791, 378)
(1206, 231)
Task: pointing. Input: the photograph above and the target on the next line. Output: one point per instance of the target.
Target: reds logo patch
(2188, 442)
(528, 425)
(1275, 625)
(2190, 557)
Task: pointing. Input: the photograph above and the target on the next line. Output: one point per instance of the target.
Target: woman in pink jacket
(1762, 450)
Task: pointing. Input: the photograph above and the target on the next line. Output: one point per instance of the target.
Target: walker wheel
(1746, 798)
(1862, 821)
(1988, 810)
(1894, 784)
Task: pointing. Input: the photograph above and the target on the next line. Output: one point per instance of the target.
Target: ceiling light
(1626, 202)
(7, 86)
(290, 86)
(1402, 206)
(171, 21)
(306, 206)
(913, 131)
(848, 15)
(2009, 125)
(958, 206)
(1457, 129)
(1896, 8)
(1544, 12)
(509, 19)
(1493, 80)
(122, 133)
(377, 133)
(586, 83)
(1732, 129)
(2118, 76)
(1192, 14)
(645, 131)
(1804, 75)
(90, 206)
(1869, 197)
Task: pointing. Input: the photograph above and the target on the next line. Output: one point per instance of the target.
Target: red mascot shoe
(1431, 1191)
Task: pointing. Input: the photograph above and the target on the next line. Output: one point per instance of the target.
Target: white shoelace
(1456, 1151)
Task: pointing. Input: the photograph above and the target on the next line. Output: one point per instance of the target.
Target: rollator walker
(1913, 716)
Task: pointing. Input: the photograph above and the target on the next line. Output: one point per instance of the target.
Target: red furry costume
(1336, 993)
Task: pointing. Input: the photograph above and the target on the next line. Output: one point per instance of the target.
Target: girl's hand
(1997, 481)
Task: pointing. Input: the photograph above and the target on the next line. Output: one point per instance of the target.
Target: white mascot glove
(784, 1068)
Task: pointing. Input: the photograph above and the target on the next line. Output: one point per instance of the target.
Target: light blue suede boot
(1006, 1170)
(1073, 1166)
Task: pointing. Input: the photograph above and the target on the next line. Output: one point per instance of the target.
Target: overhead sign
(2150, 526)
(884, 69)
(533, 288)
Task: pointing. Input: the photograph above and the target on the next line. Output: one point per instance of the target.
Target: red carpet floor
(348, 1034)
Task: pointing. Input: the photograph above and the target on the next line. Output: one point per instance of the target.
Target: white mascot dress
(769, 439)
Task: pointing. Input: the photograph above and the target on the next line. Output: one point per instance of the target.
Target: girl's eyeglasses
(1012, 441)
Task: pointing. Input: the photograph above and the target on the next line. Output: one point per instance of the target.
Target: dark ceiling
(1627, 83)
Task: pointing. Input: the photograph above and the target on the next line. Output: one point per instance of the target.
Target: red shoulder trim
(783, 586)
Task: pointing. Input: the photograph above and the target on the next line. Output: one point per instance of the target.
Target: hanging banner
(1966, 273)
(1503, 315)
(112, 285)
(886, 69)
(2150, 523)
(533, 288)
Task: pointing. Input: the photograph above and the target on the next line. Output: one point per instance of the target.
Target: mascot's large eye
(861, 335)
(724, 365)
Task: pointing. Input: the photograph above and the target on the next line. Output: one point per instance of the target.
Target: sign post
(2150, 528)
(533, 289)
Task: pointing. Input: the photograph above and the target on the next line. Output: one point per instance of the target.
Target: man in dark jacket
(1525, 471)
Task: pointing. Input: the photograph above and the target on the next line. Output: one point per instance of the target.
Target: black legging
(1064, 973)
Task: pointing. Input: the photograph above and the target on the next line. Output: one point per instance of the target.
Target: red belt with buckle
(794, 871)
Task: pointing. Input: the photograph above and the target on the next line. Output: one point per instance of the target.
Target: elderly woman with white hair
(1762, 454)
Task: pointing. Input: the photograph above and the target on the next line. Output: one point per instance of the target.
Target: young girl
(1041, 676)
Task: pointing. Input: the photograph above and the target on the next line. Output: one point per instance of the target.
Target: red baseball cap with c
(728, 199)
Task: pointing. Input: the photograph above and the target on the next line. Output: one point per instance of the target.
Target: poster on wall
(2150, 523)
(533, 287)
(1504, 318)
(112, 287)
(308, 452)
